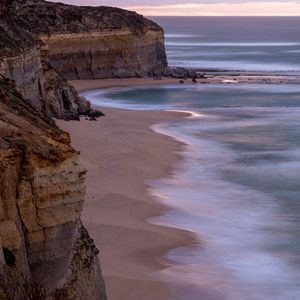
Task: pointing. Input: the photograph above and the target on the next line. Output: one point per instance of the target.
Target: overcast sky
(201, 7)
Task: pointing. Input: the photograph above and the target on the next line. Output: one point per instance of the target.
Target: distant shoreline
(220, 77)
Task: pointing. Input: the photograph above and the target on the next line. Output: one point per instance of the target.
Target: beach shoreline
(121, 151)
(211, 78)
(87, 84)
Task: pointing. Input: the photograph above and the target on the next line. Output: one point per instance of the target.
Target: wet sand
(120, 152)
(83, 85)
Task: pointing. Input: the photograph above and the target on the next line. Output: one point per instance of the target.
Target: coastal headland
(50, 52)
(42, 240)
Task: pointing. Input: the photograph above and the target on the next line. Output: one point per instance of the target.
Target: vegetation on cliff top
(43, 17)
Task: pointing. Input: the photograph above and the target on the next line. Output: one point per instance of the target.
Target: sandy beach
(120, 152)
(83, 85)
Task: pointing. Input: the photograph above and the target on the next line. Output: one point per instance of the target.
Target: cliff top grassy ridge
(43, 17)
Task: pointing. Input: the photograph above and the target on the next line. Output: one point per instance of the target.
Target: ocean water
(236, 43)
(237, 187)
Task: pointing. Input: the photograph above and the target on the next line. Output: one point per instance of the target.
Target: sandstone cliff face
(95, 42)
(41, 41)
(24, 59)
(27, 71)
(42, 241)
(41, 192)
(106, 54)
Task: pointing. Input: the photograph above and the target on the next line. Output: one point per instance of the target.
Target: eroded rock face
(41, 195)
(106, 55)
(42, 41)
(24, 59)
(95, 42)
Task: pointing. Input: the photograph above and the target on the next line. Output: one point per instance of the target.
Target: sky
(201, 7)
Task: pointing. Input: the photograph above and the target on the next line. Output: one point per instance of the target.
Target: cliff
(45, 252)
(44, 249)
(42, 43)
(95, 42)
(24, 59)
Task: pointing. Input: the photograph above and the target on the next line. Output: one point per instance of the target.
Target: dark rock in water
(194, 80)
(176, 72)
(202, 76)
(181, 81)
(181, 73)
(193, 74)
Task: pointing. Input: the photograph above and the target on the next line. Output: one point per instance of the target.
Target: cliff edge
(24, 58)
(94, 42)
(44, 248)
(44, 43)
(45, 252)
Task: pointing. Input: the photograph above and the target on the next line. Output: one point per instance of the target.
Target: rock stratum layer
(43, 245)
(95, 42)
(116, 54)
(24, 58)
(42, 43)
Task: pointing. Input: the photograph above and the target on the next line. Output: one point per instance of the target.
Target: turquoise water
(237, 187)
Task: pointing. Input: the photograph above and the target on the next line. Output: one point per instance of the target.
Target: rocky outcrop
(43, 245)
(95, 42)
(183, 73)
(24, 59)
